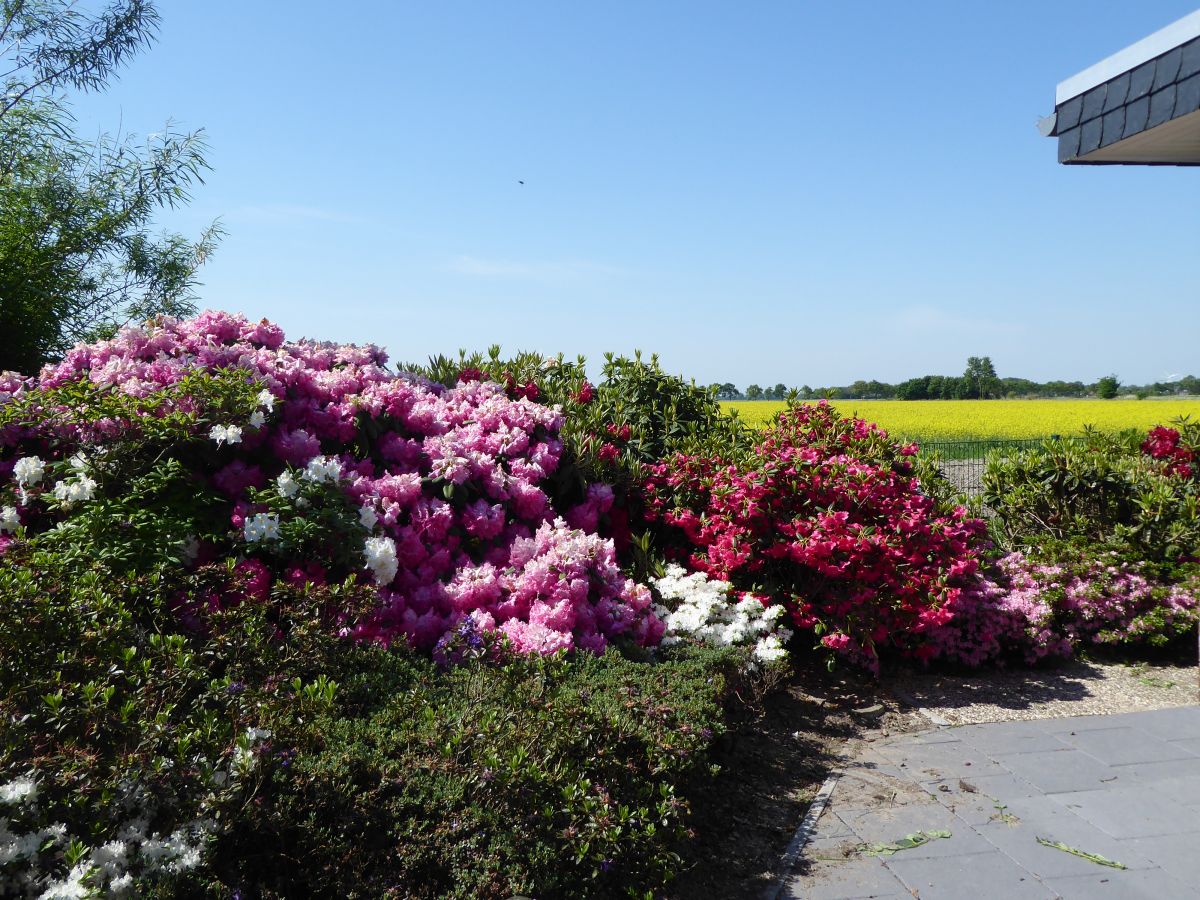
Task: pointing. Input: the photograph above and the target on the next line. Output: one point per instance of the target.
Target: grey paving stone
(922, 738)
(867, 789)
(1192, 745)
(1080, 723)
(1113, 884)
(887, 825)
(979, 876)
(849, 880)
(1176, 779)
(1173, 724)
(1127, 812)
(1053, 771)
(979, 806)
(1124, 745)
(1176, 854)
(1010, 737)
(1019, 841)
(943, 761)
(830, 826)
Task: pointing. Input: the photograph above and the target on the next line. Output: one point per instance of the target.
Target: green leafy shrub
(139, 741)
(267, 755)
(1103, 490)
(540, 777)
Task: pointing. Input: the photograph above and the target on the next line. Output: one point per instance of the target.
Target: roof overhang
(1138, 106)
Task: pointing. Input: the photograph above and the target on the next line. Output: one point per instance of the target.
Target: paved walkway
(1124, 787)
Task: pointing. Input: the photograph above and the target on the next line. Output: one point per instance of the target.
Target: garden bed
(771, 769)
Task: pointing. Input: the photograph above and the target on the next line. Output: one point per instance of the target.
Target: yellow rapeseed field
(948, 420)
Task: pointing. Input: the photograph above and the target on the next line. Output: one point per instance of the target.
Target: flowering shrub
(827, 516)
(1031, 608)
(701, 609)
(636, 416)
(1116, 490)
(235, 441)
(1170, 445)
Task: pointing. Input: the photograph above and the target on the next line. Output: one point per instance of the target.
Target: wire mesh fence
(963, 462)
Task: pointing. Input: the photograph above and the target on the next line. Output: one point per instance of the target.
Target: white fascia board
(1131, 57)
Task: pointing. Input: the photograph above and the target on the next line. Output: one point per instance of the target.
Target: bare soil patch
(1075, 688)
(771, 768)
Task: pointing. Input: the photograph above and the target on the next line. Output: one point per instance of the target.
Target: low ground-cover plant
(134, 744)
(535, 777)
(267, 755)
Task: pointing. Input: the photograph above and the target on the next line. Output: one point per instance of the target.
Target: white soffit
(1131, 57)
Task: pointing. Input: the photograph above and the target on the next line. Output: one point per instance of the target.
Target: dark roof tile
(1114, 126)
(1189, 63)
(1168, 68)
(1093, 102)
(1089, 136)
(1187, 96)
(1162, 106)
(1068, 144)
(1141, 80)
(1136, 114)
(1068, 113)
(1118, 89)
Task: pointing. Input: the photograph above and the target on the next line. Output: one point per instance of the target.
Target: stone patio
(1123, 787)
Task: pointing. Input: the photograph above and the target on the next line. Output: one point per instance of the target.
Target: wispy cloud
(547, 271)
(289, 212)
(932, 320)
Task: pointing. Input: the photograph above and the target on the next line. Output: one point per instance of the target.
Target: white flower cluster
(701, 609)
(381, 558)
(287, 485)
(10, 520)
(20, 792)
(108, 870)
(76, 490)
(261, 527)
(266, 401)
(225, 434)
(29, 470)
(367, 517)
(321, 469)
(245, 760)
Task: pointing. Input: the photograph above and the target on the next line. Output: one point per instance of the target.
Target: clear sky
(794, 192)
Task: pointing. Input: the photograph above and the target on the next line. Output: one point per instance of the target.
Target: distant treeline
(978, 382)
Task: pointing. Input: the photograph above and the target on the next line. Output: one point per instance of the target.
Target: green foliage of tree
(1108, 387)
(754, 392)
(78, 256)
(979, 379)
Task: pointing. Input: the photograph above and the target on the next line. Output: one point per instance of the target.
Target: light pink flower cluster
(447, 481)
(559, 588)
(1038, 611)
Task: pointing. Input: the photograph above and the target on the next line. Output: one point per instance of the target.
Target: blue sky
(791, 192)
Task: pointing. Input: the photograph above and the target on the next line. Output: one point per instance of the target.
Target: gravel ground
(1077, 688)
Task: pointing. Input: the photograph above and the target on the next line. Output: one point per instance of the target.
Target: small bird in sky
(520, 182)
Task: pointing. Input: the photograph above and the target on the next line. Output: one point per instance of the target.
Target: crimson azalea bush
(827, 515)
(315, 461)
